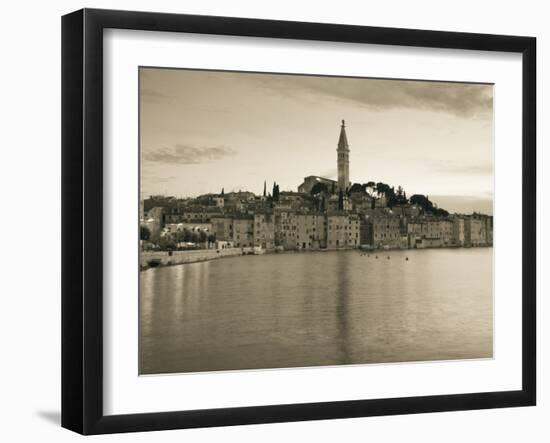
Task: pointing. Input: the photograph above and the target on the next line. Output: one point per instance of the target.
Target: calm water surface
(317, 308)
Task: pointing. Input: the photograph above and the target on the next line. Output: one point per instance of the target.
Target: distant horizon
(204, 130)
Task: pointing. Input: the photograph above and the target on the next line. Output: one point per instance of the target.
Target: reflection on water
(316, 308)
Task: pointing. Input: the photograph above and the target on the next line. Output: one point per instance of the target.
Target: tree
(203, 236)
(166, 243)
(382, 189)
(319, 188)
(356, 187)
(223, 192)
(264, 188)
(180, 236)
(144, 233)
(275, 192)
(424, 202)
(185, 235)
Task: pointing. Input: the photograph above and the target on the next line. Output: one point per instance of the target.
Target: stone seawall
(164, 258)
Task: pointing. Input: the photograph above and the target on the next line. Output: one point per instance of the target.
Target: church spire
(343, 140)
(343, 159)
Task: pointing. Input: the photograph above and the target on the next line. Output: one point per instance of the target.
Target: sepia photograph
(297, 220)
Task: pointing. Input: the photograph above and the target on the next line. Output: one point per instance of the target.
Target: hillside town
(321, 214)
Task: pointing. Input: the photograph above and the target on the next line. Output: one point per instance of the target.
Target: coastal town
(320, 214)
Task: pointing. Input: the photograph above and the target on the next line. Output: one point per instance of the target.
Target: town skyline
(202, 131)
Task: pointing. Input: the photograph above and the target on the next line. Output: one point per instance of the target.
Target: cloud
(329, 173)
(465, 169)
(460, 99)
(152, 96)
(464, 204)
(157, 179)
(188, 155)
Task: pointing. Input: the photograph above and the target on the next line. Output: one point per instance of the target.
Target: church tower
(343, 159)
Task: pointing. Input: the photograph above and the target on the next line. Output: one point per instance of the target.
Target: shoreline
(164, 259)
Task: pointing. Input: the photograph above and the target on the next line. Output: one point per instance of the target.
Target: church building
(342, 162)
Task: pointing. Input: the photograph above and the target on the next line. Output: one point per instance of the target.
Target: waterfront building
(342, 231)
(286, 227)
(311, 231)
(264, 230)
(489, 230)
(487, 226)
(442, 229)
(458, 231)
(300, 230)
(474, 232)
(243, 231)
(365, 232)
(385, 231)
(222, 228)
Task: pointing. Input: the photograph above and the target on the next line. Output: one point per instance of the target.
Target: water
(317, 308)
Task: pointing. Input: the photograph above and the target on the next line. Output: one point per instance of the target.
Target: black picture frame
(82, 218)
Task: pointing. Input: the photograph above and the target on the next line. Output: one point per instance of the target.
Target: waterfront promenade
(149, 259)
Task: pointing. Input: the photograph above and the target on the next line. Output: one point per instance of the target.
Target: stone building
(342, 161)
(474, 232)
(342, 231)
(243, 231)
(222, 228)
(430, 232)
(264, 230)
(458, 231)
(300, 230)
(385, 231)
(310, 181)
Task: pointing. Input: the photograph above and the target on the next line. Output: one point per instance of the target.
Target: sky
(201, 131)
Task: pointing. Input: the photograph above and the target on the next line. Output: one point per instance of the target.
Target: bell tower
(343, 159)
